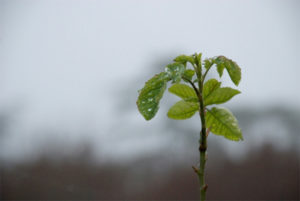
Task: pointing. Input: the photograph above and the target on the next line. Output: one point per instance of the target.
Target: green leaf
(232, 68)
(222, 122)
(198, 58)
(184, 91)
(208, 63)
(213, 94)
(183, 110)
(220, 95)
(188, 74)
(183, 59)
(210, 86)
(150, 95)
(220, 61)
(175, 71)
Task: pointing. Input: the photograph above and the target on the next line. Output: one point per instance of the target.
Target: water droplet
(149, 109)
(150, 99)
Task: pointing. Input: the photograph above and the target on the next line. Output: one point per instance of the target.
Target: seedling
(197, 98)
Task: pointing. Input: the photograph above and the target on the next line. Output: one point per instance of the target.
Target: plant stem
(202, 150)
(203, 135)
(202, 141)
(192, 84)
(205, 74)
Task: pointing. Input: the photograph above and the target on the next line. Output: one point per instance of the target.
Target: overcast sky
(64, 64)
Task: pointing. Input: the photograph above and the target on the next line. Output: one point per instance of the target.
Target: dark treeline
(264, 172)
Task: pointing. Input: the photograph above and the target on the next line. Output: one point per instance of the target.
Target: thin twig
(193, 85)
(205, 74)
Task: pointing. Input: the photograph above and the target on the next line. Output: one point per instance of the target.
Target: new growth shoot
(187, 75)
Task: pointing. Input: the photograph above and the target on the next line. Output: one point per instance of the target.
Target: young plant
(199, 97)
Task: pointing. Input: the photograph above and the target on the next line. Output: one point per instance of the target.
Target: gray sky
(64, 63)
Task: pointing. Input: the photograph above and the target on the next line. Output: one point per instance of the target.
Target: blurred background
(69, 76)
